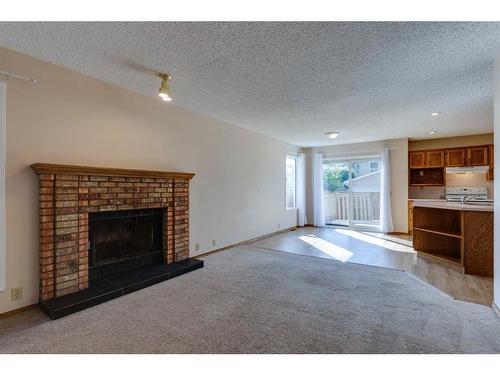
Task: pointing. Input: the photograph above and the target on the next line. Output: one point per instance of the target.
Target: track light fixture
(164, 93)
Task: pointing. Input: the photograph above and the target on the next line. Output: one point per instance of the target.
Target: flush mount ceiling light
(433, 132)
(332, 135)
(435, 113)
(164, 92)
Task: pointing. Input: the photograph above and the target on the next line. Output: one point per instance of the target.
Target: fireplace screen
(124, 240)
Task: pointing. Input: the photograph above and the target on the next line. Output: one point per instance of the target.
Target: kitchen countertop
(427, 199)
(444, 204)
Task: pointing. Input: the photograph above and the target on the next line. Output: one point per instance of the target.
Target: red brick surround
(69, 193)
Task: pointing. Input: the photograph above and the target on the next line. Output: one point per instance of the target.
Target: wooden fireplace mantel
(105, 171)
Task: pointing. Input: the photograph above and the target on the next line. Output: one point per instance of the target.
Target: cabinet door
(417, 159)
(491, 161)
(478, 243)
(435, 158)
(455, 157)
(477, 155)
(410, 217)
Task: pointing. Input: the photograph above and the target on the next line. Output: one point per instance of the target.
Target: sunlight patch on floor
(374, 240)
(401, 239)
(328, 248)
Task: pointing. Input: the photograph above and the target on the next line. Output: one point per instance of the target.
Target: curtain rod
(351, 154)
(13, 75)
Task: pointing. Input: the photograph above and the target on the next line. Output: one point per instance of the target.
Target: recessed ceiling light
(332, 135)
(433, 132)
(164, 91)
(435, 113)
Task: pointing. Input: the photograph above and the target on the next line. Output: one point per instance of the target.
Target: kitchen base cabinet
(478, 259)
(463, 237)
(410, 217)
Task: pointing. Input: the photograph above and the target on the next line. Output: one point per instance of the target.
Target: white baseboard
(496, 308)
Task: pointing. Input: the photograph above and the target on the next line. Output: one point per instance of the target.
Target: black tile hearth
(115, 286)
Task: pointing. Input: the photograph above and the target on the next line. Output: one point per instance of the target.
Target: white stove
(467, 194)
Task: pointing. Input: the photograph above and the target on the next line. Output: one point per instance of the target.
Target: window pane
(336, 176)
(374, 166)
(364, 201)
(290, 182)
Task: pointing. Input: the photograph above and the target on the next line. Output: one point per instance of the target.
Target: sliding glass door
(364, 192)
(352, 192)
(336, 192)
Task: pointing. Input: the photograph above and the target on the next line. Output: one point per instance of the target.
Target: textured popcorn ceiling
(292, 81)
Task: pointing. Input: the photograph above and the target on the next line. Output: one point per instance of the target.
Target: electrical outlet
(197, 247)
(213, 243)
(16, 293)
(279, 225)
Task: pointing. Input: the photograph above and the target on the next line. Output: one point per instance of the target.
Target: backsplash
(466, 180)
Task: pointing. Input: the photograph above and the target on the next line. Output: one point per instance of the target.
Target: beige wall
(398, 149)
(469, 140)
(466, 180)
(237, 194)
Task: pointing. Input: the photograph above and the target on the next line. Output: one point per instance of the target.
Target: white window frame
(294, 157)
(3, 232)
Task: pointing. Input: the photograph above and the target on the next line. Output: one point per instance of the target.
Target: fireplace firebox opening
(121, 241)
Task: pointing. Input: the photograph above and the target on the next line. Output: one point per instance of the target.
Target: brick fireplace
(69, 194)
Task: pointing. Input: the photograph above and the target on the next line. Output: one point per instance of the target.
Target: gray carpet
(249, 300)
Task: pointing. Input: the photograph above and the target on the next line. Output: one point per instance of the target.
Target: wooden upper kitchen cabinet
(470, 156)
(426, 177)
(477, 155)
(455, 157)
(417, 159)
(427, 167)
(491, 161)
(434, 158)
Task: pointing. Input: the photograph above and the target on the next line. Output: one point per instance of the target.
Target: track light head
(164, 92)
